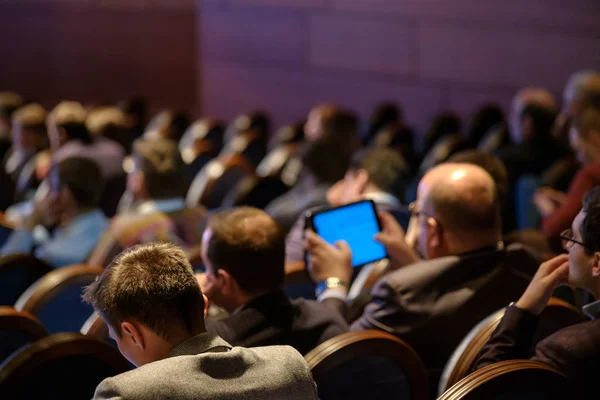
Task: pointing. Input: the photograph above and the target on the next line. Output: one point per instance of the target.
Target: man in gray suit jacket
(467, 273)
(155, 310)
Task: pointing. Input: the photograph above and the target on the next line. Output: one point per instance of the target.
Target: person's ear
(596, 265)
(133, 334)
(227, 282)
(206, 304)
(433, 236)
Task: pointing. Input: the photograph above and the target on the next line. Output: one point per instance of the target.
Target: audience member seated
(383, 115)
(488, 117)
(244, 250)
(29, 138)
(446, 123)
(376, 174)
(400, 138)
(9, 103)
(332, 138)
(167, 124)
(135, 110)
(248, 136)
(69, 137)
(109, 123)
(155, 311)
(573, 351)
(157, 183)
(468, 273)
(532, 116)
(200, 143)
(71, 206)
(557, 208)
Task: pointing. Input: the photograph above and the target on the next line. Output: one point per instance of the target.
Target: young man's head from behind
(584, 136)
(29, 128)
(158, 171)
(374, 170)
(582, 242)
(244, 253)
(76, 187)
(150, 300)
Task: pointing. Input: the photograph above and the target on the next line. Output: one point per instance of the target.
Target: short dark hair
(77, 131)
(153, 284)
(590, 226)
(587, 121)
(254, 254)
(328, 157)
(491, 164)
(386, 168)
(164, 170)
(83, 178)
(541, 118)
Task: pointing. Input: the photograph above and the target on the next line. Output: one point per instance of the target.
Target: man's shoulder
(194, 376)
(419, 273)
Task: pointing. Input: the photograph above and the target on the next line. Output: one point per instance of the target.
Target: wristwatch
(330, 283)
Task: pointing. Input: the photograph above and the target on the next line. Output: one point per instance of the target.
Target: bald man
(244, 252)
(466, 276)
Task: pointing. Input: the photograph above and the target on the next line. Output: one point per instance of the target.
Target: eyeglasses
(568, 239)
(412, 207)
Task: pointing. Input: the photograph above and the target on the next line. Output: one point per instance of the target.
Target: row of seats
(382, 363)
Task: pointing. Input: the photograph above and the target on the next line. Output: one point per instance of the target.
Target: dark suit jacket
(207, 367)
(433, 304)
(574, 351)
(274, 319)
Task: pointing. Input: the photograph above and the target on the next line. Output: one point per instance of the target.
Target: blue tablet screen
(356, 224)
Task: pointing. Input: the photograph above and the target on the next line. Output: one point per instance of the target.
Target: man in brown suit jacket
(467, 275)
(575, 350)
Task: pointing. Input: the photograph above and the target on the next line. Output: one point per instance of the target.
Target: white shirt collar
(382, 198)
(165, 205)
(592, 310)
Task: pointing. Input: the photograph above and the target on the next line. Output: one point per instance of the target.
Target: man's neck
(69, 216)
(243, 300)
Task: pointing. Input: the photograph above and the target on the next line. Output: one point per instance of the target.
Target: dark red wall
(100, 50)
(229, 56)
(286, 55)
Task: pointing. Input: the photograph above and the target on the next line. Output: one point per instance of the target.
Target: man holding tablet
(467, 273)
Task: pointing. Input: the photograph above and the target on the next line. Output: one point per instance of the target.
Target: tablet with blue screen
(356, 224)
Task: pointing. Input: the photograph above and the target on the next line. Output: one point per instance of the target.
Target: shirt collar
(165, 205)
(198, 344)
(383, 198)
(592, 310)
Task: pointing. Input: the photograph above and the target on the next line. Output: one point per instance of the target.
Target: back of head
(135, 110)
(168, 124)
(103, 121)
(70, 117)
(489, 163)
(464, 197)
(383, 115)
(163, 168)
(541, 102)
(32, 116)
(446, 123)
(486, 118)
(83, 178)
(9, 103)
(250, 246)
(153, 284)
(541, 120)
(386, 169)
(583, 88)
(328, 157)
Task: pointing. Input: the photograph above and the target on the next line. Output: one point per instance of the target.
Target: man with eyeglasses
(466, 273)
(575, 350)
